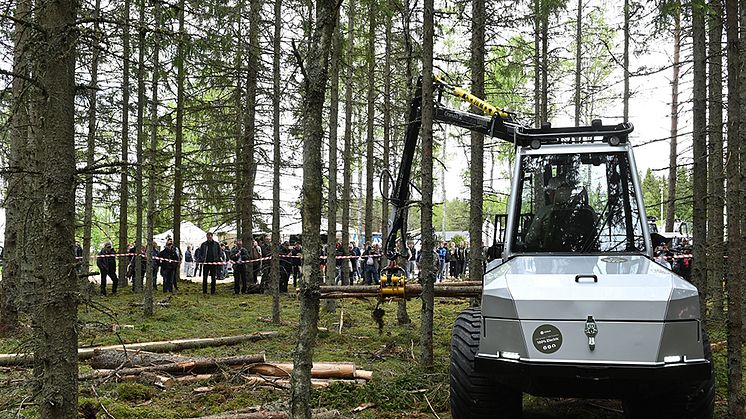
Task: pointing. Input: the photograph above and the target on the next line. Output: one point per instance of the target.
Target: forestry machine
(573, 305)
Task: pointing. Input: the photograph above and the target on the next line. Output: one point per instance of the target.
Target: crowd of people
(250, 265)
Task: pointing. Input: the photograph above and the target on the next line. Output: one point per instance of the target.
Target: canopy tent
(191, 235)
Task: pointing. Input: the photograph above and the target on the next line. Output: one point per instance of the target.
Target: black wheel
(475, 395)
(695, 402)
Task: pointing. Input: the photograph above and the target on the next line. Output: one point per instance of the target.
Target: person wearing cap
(107, 265)
(210, 253)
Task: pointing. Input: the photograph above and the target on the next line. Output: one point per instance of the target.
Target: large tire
(695, 402)
(473, 394)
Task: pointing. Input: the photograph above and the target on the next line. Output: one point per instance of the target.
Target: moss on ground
(400, 388)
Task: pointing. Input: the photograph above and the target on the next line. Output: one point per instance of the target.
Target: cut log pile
(162, 346)
(165, 371)
(461, 289)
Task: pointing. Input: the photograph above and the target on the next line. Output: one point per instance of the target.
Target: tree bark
(315, 67)
(673, 154)
(733, 203)
(578, 49)
(124, 176)
(91, 140)
(427, 274)
(699, 147)
(545, 65)
(387, 127)
(16, 186)
(152, 173)
(625, 94)
(331, 228)
(716, 202)
(179, 134)
(248, 174)
(347, 160)
(371, 98)
(537, 63)
(476, 172)
(55, 313)
(141, 103)
(276, 164)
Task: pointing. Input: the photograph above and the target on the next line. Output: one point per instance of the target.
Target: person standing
(107, 265)
(356, 268)
(188, 262)
(198, 262)
(296, 261)
(169, 261)
(411, 260)
(266, 249)
(255, 254)
(239, 256)
(370, 264)
(210, 251)
(441, 252)
(285, 266)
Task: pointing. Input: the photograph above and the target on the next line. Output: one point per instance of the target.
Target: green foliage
(134, 391)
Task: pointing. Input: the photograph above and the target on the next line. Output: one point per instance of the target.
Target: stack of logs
(164, 371)
(442, 289)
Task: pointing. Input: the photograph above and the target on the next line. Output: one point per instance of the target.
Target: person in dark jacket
(198, 262)
(285, 266)
(107, 265)
(169, 268)
(210, 253)
(239, 256)
(297, 262)
(188, 262)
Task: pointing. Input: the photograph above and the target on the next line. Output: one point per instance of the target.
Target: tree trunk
(625, 95)
(671, 204)
(152, 173)
(331, 228)
(179, 135)
(402, 316)
(537, 63)
(347, 159)
(545, 65)
(716, 201)
(239, 123)
(427, 274)
(141, 102)
(578, 49)
(387, 128)
(91, 140)
(55, 313)
(733, 203)
(476, 188)
(16, 186)
(742, 146)
(371, 98)
(276, 164)
(699, 147)
(124, 178)
(313, 91)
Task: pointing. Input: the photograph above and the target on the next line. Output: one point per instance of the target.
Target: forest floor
(400, 387)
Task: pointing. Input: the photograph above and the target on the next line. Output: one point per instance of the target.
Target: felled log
(161, 346)
(411, 290)
(259, 413)
(202, 365)
(343, 370)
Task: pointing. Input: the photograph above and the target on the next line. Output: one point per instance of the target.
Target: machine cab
(579, 198)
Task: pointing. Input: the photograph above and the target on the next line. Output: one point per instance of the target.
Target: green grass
(400, 388)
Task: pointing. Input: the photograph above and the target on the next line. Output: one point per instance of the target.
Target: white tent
(191, 235)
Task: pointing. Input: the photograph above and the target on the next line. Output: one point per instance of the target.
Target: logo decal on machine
(547, 339)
